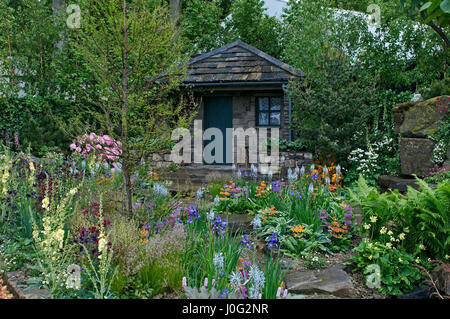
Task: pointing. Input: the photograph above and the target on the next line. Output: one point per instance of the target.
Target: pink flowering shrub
(104, 147)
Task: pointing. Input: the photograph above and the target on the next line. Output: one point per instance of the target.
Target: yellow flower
(370, 257)
(401, 236)
(422, 247)
(406, 229)
(45, 203)
(389, 245)
(400, 260)
(59, 237)
(390, 233)
(417, 260)
(366, 226)
(73, 191)
(392, 238)
(102, 243)
(383, 230)
(373, 219)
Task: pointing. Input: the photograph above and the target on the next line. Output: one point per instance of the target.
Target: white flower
(373, 219)
(310, 188)
(389, 245)
(210, 215)
(218, 261)
(256, 222)
(390, 233)
(383, 230)
(102, 243)
(45, 203)
(366, 226)
(401, 236)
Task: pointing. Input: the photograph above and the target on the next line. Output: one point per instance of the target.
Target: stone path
(332, 281)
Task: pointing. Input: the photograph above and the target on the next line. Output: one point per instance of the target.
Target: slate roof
(238, 62)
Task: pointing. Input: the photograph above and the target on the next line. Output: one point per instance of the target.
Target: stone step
(329, 281)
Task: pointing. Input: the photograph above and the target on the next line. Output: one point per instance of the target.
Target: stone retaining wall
(416, 122)
(291, 159)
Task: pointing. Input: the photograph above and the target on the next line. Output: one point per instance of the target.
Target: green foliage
(328, 107)
(251, 24)
(423, 216)
(396, 275)
(437, 88)
(207, 25)
(201, 26)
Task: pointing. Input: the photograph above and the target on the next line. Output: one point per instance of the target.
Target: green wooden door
(219, 114)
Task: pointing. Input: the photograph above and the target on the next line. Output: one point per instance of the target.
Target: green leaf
(445, 6)
(426, 6)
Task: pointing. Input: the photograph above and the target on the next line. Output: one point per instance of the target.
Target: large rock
(333, 281)
(415, 155)
(419, 119)
(395, 182)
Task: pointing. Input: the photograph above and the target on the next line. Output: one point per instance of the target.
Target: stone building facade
(239, 86)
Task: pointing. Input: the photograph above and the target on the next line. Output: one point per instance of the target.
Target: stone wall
(291, 159)
(415, 122)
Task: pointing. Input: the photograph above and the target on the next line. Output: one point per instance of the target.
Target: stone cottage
(239, 86)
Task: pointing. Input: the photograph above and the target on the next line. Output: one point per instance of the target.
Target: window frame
(269, 111)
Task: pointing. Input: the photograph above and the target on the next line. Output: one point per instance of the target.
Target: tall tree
(125, 43)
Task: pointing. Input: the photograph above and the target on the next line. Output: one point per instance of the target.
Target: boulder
(419, 119)
(332, 281)
(415, 155)
(395, 182)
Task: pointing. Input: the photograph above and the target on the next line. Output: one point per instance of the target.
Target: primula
(298, 231)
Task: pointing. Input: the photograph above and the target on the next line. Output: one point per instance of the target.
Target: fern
(426, 213)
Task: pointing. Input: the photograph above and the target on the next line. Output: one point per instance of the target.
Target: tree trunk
(127, 188)
(125, 164)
